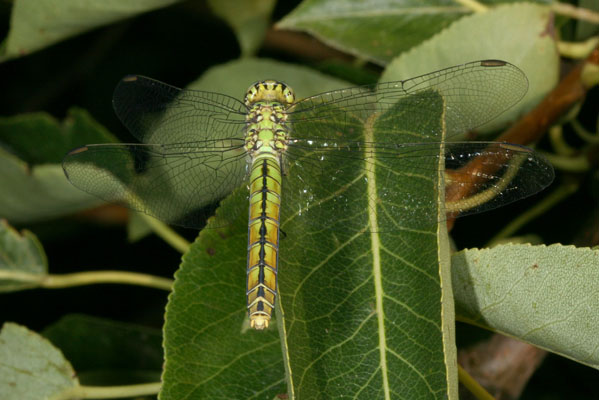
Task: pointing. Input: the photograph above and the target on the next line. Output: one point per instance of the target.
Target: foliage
(361, 314)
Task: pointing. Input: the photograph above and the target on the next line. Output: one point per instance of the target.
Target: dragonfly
(308, 158)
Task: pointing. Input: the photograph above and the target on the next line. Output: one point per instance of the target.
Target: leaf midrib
(375, 243)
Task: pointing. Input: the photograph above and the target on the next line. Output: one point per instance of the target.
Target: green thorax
(267, 103)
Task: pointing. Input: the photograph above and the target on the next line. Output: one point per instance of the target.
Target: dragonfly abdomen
(263, 239)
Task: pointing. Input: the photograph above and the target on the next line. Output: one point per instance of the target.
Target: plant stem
(559, 143)
(166, 233)
(569, 10)
(577, 50)
(108, 392)
(95, 277)
(585, 135)
(472, 385)
(565, 163)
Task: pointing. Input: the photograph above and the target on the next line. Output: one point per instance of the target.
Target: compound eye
(289, 97)
(250, 94)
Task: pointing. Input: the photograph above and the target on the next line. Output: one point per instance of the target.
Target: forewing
(473, 93)
(155, 112)
(177, 183)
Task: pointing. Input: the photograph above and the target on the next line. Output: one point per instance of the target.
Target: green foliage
(127, 353)
(331, 304)
(36, 24)
(377, 31)
(537, 57)
(248, 18)
(345, 294)
(31, 367)
(360, 314)
(32, 179)
(542, 295)
(233, 78)
(22, 258)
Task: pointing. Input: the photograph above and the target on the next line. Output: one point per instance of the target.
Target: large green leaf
(518, 33)
(543, 295)
(36, 24)
(383, 29)
(34, 185)
(376, 30)
(364, 312)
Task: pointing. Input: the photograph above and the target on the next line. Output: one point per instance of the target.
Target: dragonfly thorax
(266, 129)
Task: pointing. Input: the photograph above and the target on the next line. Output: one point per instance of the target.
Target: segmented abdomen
(263, 239)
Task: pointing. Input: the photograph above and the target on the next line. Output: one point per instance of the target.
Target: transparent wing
(158, 113)
(474, 93)
(177, 183)
(194, 154)
(354, 165)
(328, 184)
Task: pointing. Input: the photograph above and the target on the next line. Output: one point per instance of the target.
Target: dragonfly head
(269, 91)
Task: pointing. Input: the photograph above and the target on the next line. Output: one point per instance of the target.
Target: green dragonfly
(309, 158)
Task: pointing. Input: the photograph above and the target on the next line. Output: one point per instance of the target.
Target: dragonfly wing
(488, 175)
(380, 149)
(175, 183)
(474, 93)
(155, 112)
(328, 184)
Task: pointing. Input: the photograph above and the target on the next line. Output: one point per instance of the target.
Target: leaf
(30, 172)
(517, 33)
(98, 346)
(543, 295)
(36, 24)
(248, 18)
(31, 368)
(22, 259)
(375, 30)
(364, 312)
